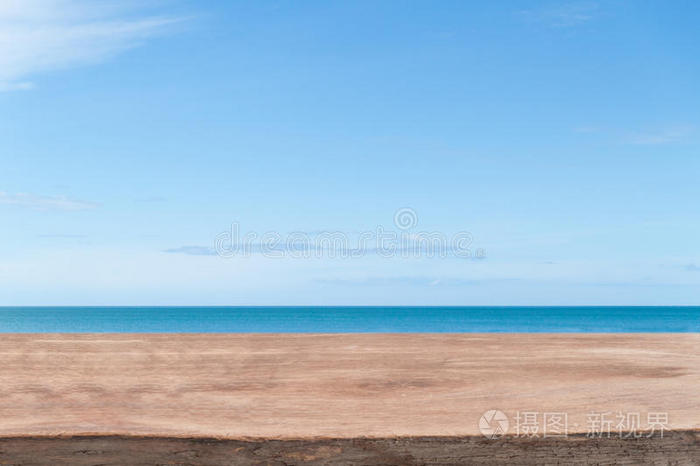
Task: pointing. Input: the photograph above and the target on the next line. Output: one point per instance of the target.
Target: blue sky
(563, 136)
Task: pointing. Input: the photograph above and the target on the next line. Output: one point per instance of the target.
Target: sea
(342, 319)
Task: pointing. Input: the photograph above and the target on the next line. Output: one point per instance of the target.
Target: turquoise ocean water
(349, 319)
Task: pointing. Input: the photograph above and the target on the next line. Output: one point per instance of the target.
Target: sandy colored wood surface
(339, 386)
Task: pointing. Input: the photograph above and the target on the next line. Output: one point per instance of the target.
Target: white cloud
(42, 35)
(32, 201)
(664, 136)
(193, 251)
(15, 86)
(668, 134)
(563, 15)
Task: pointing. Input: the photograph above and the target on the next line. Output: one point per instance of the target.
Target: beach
(320, 398)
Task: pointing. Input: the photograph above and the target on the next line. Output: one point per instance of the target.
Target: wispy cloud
(663, 136)
(311, 250)
(562, 15)
(41, 35)
(35, 202)
(150, 199)
(192, 251)
(421, 281)
(692, 268)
